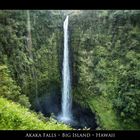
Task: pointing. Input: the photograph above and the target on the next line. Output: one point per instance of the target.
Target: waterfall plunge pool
(82, 116)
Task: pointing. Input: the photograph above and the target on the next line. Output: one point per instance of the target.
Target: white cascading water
(66, 115)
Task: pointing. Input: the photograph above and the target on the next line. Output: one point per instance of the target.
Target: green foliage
(33, 62)
(106, 51)
(106, 117)
(9, 89)
(16, 117)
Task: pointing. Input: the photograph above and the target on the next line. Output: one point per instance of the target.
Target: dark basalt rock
(84, 117)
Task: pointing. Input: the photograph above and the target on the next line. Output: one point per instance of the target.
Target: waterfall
(66, 89)
(29, 48)
(29, 39)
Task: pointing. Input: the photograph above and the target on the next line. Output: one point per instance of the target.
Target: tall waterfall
(66, 89)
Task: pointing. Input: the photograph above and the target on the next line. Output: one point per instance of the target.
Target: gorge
(73, 67)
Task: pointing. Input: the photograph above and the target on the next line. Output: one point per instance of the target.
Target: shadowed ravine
(61, 105)
(82, 116)
(81, 67)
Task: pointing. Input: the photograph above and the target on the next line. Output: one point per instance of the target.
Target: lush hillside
(13, 116)
(104, 50)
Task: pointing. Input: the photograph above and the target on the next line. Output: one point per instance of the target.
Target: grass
(13, 116)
